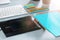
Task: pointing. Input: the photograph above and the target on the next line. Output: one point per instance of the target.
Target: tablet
(19, 26)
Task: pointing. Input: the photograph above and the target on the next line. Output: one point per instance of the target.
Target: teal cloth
(50, 21)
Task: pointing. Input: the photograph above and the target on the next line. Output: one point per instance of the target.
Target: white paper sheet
(4, 1)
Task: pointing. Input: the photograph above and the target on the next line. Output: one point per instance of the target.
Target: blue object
(29, 5)
(50, 21)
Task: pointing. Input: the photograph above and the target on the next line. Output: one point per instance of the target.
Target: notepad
(50, 21)
(12, 11)
(4, 1)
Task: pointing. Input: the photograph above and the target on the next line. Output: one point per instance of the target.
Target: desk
(35, 35)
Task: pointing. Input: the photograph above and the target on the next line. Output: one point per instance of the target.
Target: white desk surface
(15, 2)
(4, 1)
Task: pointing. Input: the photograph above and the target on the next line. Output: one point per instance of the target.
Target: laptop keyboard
(11, 11)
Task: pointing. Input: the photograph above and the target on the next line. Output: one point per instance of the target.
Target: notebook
(50, 21)
(12, 11)
(31, 8)
(4, 1)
